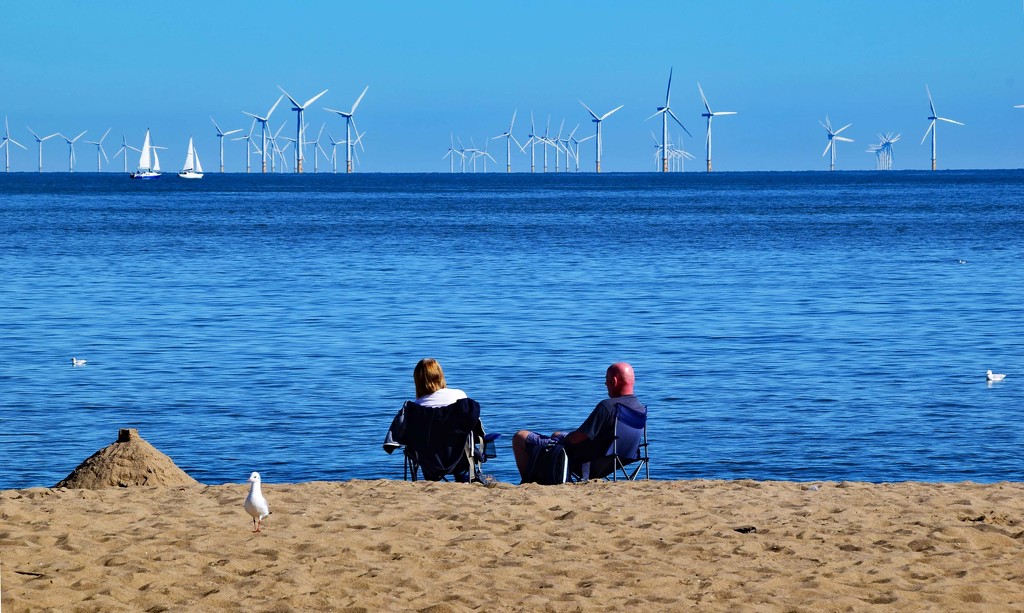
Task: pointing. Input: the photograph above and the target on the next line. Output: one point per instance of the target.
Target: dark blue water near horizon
(804, 326)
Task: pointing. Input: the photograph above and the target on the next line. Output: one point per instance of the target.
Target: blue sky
(463, 67)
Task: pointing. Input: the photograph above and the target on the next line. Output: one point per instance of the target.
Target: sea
(782, 325)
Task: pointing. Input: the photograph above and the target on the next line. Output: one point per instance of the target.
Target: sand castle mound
(129, 461)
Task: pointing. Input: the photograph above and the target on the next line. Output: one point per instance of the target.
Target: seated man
(591, 439)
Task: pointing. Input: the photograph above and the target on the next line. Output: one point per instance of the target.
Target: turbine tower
(263, 127)
(6, 145)
(299, 129)
(665, 112)
(71, 149)
(710, 115)
(598, 121)
(99, 150)
(40, 140)
(833, 136)
(508, 142)
(220, 135)
(349, 124)
(931, 127)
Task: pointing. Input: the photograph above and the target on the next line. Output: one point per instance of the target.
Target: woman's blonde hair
(428, 377)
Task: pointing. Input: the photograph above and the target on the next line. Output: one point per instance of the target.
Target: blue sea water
(803, 326)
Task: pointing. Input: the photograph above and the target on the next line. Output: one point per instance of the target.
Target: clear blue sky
(463, 67)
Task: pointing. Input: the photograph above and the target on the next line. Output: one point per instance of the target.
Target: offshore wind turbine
(263, 127)
(249, 146)
(40, 140)
(300, 127)
(124, 151)
(6, 145)
(349, 124)
(883, 151)
(932, 127)
(598, 121)
(99, 150)
(710, 115)
(71, 149)
(508, 142)
(220, 135)
(833, 136)
(665, 112)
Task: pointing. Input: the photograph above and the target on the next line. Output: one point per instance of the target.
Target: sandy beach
(391, 545)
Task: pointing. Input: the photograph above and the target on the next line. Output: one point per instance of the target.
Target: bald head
(619, 379)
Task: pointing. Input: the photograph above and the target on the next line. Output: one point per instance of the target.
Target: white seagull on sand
(77, 362)
(992, 376)
(255, 503)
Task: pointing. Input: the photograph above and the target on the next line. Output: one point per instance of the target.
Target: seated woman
(435, 427)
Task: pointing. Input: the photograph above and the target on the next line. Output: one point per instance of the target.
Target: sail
(190, 156)
(144, 159)
(156, 161)
(199, 167)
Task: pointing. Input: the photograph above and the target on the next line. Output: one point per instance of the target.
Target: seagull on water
(993, 376)
(255, 503)
(77, 362)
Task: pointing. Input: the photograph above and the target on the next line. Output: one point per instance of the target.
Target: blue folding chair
(625, 454)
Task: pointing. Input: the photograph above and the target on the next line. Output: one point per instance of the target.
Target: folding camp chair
(628, 446)
(444, 441)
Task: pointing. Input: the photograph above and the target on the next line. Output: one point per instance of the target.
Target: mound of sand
(128, 461)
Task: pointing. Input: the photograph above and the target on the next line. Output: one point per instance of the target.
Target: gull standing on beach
(255, 503)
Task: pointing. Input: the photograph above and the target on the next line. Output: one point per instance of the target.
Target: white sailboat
(193, 169)
(149, 162)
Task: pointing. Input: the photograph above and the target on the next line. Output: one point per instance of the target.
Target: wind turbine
(40, 141)
(833, 136)
(263, 127)
(665, 112)
(532, 144)
(451, 153)
(349, 124)
(99, 150)
(6, 144)
(299, 130)
(509, 139)
(71, 149)
(220, 135)
(249, 146)
(931, 127)
(710, 115)
(124, 151)
(598, 121)
(576, 148)
(883, 151)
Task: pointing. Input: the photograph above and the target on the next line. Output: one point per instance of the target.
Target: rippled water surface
(782, 325)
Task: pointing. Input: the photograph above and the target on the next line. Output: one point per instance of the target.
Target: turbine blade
(270, 112)
(842, 128)
(359, 99)
(313, 99)
(293, 101)
(673, 115)
(844, 139)
(705, 100)
(606, 115)
(950, 120)
(926, 132)
(592, 114)
(827, 147)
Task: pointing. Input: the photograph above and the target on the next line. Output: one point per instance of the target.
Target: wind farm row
(566, 145)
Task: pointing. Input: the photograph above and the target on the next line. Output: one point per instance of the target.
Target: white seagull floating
(255, 503)
(991, 376)
(77, 362)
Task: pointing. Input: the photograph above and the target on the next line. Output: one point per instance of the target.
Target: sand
(391, 545)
